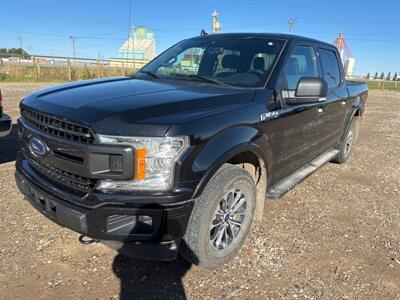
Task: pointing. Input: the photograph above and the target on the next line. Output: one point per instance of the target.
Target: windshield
(239, 62)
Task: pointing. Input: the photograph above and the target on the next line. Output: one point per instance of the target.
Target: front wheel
(221, 218)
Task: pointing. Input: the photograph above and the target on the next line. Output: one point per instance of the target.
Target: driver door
(296, 133)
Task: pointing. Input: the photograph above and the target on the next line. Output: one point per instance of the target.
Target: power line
(101, 36)
(270, 19)
(121, 39)
(95, 37)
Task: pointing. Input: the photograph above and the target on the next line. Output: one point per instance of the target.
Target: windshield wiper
(208, 79)
(149, 73)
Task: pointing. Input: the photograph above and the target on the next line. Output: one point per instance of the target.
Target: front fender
(223, 147)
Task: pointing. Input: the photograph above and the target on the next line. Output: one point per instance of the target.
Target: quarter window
(330, 67)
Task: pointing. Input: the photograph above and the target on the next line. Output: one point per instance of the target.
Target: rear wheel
(221, 218)
(346, 145)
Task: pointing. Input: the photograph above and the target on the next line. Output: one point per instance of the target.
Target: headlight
(155, 161)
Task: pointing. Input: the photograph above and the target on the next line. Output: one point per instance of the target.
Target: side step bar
(286, 184)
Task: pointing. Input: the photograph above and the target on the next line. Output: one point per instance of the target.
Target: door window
(301, 64)
(330, 67)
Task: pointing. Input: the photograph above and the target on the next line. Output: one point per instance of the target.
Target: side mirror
(309, 90)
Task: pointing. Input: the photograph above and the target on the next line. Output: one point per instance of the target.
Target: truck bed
(356, 88)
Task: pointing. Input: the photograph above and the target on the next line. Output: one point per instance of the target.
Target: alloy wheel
(228, 219)
(349, 143)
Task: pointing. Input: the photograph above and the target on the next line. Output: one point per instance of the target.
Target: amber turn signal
(140, 155)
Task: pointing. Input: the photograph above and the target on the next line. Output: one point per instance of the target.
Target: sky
(371, 27)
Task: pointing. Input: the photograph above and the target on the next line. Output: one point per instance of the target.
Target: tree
(368, 76)
(388, 76)
(376, 75)
(395, 77)
(4, 52)
(382, 75)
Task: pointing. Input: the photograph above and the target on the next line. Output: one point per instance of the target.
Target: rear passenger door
(337, 98)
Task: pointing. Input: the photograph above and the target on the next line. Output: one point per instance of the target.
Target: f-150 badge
(268, 115)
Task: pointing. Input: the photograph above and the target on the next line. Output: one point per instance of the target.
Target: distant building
(141, 44)
(138, 50)
(349, 66)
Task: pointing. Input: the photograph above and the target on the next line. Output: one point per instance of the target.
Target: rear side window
(330, 67)
(301, 64)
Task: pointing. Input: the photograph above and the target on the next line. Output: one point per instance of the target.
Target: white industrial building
(138, 50)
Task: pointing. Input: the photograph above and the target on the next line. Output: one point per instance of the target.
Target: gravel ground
(336, 236)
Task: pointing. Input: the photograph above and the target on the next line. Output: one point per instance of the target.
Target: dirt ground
(336, 236)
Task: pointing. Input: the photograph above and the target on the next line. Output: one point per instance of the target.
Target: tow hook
(85, 240)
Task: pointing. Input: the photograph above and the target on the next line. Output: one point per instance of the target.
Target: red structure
(341, 45)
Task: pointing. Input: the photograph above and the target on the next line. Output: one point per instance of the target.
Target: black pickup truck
(5, 121)
(181, 157)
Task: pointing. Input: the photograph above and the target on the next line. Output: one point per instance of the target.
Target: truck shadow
(150, 279)
(9, 146)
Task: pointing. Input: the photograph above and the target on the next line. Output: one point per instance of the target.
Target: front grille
(57, 127)
(58, 176)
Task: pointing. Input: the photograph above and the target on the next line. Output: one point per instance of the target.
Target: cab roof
(288, 37)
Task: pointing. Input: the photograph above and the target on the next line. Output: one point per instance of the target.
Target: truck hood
(127, 106)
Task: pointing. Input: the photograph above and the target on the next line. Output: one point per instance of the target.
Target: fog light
(121, 224)
(129, 224)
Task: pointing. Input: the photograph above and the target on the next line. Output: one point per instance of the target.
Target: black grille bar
(80, 183)
(58, 127)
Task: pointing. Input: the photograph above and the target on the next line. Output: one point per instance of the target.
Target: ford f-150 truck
(182, 156)
(5, 121)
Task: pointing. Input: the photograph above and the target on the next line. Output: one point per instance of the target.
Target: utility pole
(98, 65)
(129, 38)
(291, 23)
(20, 45)
(73, 40)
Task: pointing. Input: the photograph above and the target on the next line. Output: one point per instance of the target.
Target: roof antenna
(203, 32)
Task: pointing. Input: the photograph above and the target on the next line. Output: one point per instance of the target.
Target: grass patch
(383, 85)
(20, 73)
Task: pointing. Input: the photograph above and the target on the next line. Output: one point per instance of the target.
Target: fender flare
(245, 139)
(356, 107)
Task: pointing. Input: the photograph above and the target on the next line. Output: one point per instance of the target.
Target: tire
(346, 145)
(210, 245)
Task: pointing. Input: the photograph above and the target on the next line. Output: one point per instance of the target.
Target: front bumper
(5, 125)
(160, 240)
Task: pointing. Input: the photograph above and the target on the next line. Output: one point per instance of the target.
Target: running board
(286, 184)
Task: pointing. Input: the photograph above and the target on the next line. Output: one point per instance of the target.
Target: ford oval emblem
(37, 147)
